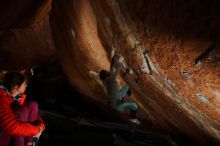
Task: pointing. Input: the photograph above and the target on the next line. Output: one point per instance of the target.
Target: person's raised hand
(113, 52)
(121, 59)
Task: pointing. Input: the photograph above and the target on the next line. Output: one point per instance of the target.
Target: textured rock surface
(25, 48)
(25, 36)
(178, 41)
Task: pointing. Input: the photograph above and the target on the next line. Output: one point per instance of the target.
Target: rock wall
(25, 36)
(172, 47)
(26, 48)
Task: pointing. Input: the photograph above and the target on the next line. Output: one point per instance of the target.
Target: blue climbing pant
(123, 91)
(127, 105)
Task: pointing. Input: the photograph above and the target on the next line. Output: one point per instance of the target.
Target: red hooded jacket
(8, 121)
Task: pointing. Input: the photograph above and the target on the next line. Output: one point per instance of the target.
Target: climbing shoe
(135, 121)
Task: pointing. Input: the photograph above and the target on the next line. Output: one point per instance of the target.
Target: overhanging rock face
(167, 38)
(173, 48)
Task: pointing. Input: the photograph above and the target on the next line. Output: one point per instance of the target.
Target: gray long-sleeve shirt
(111, 85)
